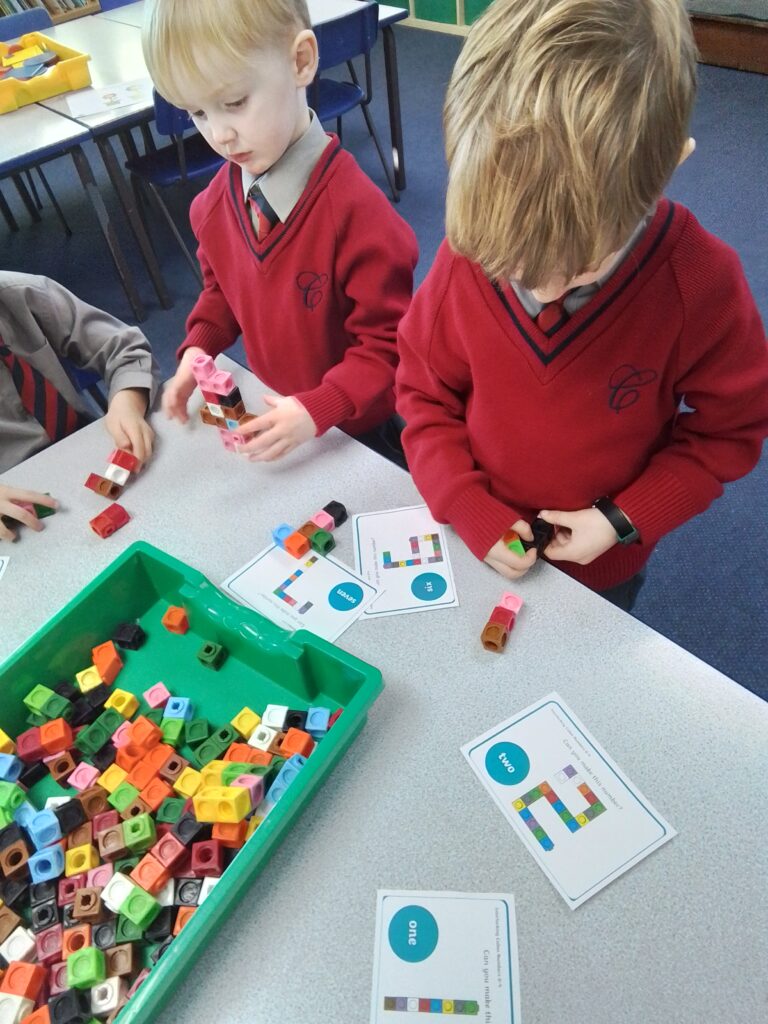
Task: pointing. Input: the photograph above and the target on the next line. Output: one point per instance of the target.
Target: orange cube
(141, 774)
(296, 544)
(230, 833)
(107, 661)
(41, 1016)
(296, 741)
(247, 755)
(154, 794)
(158, 755)
(56, 736)
(182, 917)
(150, 874)
(22, 979)
(176, 620)
(128, 757)
(73, 939)
(145, 733)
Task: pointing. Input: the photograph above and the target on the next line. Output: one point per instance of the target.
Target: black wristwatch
(621, 523)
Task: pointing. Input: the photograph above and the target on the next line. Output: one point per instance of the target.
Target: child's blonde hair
(564, 120)
(206, 43)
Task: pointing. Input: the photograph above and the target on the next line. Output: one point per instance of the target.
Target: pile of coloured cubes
(98, 882)
(224, 407)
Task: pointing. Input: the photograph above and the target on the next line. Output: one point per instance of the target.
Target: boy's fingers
(35, 497)
(6, 533)
(274, 452)
(26, 518)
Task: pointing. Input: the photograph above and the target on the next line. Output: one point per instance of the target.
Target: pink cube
(511, 601)
(157, 696)
(203, 368)
(253, 783)
(101, 822)
(98, 877)
(83, 776)
(121, 737)
(48, 944)
(57, 975)
(140, 978)
(323, 520)
(68, 887)
(221, 382)
(228, 439)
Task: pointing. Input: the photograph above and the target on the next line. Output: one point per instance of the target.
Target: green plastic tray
(265, 665)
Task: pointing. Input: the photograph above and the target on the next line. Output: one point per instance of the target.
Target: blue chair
(36, 19)
(340, 41)
(186, 159)
(111, 5)
(86, 382)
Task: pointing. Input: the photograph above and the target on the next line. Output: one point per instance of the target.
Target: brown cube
(61, 766)
(88, 907)
(111, 843)
(308, 530)
(9, 922)
(494, 637)
(173, 767)
(121, 960)
(94, 801)
(81, 836)
(13, 859)
(134, 809)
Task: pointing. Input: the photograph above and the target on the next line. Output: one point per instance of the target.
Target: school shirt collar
(578, 297)
(285, 180)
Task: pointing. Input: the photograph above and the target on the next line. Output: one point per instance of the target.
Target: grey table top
(31, 131)
(679, 939)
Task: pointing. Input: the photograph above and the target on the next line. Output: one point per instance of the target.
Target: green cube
(516, 546)
(86, 967)
(212, 655)
(42, 511)
(196, 731)
(122, 796)
(5, 817)
(173, 730)
(36, 699)
(93, 737)
(139, 833)
(140, 908)
(170, 810)
(11, 796)
(127, 930)
(125, 866)
(57, 707)
(322, 542)
(110, 720)
(233, 770)
(36, 720)
(155, 715)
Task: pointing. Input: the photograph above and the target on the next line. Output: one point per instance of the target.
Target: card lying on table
(572, 806)
(447, 953)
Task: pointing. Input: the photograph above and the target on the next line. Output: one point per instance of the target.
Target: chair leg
(26, 198)
(141, 207)
(153, 191)
(32, 189)
(149, 140)
(7, 213)
(54, 203)
(338, 130)
(380, 151)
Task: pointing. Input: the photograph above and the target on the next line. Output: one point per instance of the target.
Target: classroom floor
(707, 585)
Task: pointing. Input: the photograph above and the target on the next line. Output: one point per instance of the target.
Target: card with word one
(314, 592)
(403, 552)
(574, 809)
(451, 955)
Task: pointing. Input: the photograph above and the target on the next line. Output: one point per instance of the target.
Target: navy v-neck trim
(277, 233)
(621, 282)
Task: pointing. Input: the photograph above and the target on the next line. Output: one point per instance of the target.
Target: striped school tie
(41, 399)
(264, 216)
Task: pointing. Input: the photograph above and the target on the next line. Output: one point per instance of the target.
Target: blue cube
(10, 767)
(179, 707)
(24, 814)
(46, 864)
(44, 829)
(317, 722)
(281, 533)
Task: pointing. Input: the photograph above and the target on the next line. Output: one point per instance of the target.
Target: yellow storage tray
(72, 72)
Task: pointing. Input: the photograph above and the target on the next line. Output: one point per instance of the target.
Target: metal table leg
(393, 99)
(88, 181)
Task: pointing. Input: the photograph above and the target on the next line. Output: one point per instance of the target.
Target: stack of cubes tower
(224, 406)
(117, 474)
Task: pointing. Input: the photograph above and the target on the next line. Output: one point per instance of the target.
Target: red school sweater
(318, 300)
(504, 420)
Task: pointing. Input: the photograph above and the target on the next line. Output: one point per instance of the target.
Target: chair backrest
(351, 35)
(110, 5)
(170, 120)
(33, 20)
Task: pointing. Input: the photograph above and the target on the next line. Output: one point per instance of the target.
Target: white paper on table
(4, 560)
(404, 553)
(445, 948)
(600, 826)
(110, 97)
(314, 592)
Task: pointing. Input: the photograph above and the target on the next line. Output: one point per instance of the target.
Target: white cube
(262, 737)
(117, 474)
(107, 996)
(116, 892)
(13, 1008)
(274, 716)
(20, 945)
(208, 885)
(165, 896)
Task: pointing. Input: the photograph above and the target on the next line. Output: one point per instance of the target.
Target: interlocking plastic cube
(88, 679)
(188, 783)
(44, 828)
(10, 768)
(317, 721)
(224, 803)
(212, 655)
(175, 620)
(123, 795)
(46, 864)
(274, 716)
(179, 707)
(36, 698)
(173, 730)
(139, 833)
(80, 859)
(245, 722)
(86, 968)
(116, 892)
(157, 696)
(140, 908)
(83, 776)
(125, 703)
(322, 542)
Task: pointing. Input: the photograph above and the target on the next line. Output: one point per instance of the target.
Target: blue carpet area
(707, 586)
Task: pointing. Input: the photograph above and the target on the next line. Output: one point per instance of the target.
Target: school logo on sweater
(311, 287)
(625, 384)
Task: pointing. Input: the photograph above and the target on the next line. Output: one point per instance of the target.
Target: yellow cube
(123, 702)
(245, 722)
(211, 773)
(88, 679)
(7, 746)
(253, 824)
(112, 777)
(79, 859)
(222, 804)
(188, 782)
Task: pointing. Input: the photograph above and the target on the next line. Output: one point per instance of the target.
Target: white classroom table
(679, 939)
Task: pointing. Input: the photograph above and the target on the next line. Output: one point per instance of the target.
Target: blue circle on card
(345, 596)
(507, 763)
(428, 586)
(413, 934)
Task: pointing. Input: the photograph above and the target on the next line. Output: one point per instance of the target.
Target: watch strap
(621, 523)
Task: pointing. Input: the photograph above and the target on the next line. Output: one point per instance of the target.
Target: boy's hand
(8, 507)
(125, 422)
(179, 388)
(283, 428)
(506, 562)
(581, 536)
